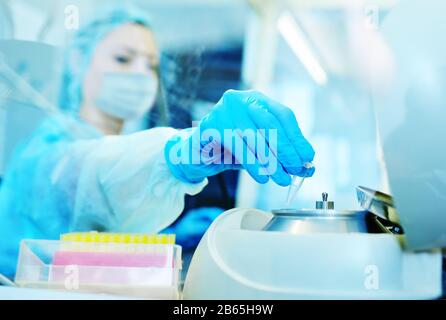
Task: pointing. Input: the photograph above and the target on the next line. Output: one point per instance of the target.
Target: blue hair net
(79, 53)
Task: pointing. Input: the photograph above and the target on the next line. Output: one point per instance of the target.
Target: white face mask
(127, 96)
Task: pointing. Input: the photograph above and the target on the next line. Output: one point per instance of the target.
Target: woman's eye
(122, 59)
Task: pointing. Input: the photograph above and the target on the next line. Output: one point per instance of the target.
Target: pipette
(296, 184)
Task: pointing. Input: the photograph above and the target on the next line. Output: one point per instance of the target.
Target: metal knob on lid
(325, 204)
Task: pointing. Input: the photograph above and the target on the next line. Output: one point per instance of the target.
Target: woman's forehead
(133, 38)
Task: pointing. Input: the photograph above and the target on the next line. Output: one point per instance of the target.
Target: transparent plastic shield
(411, 114)
(28, 91)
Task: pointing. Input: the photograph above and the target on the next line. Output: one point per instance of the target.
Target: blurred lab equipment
(6, 23)
(28, 90)
(410, 115)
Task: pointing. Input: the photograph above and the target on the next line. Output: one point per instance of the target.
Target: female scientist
(77, 173)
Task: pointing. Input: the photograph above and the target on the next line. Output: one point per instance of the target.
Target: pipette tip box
(148, 271)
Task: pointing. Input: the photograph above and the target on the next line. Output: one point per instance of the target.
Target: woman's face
(130, 48)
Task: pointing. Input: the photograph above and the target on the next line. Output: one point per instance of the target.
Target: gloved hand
(247, 130)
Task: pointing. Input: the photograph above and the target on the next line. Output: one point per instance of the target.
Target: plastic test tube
(296, 184)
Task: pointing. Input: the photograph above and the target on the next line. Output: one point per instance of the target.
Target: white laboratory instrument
(311, 254)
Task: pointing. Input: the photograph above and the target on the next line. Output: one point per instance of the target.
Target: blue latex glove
(239, 133)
